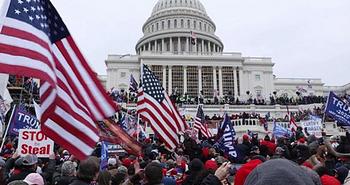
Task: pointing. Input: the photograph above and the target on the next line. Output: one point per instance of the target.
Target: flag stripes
(72, 98)
(155, 106)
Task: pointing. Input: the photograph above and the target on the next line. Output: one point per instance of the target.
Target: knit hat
(211, 165)
(68, 168)
(122, 169)
(34, 179)
(245, 170)
(112, 161)
(329, 180)
(279, 172)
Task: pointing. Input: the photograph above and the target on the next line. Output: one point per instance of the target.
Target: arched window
(205, 27)
(157, 27)
(175, 23)
(162, 25)
(194, 24)
(168, 24)
(182, 23)
(152, 27)
(200, 25)
(188, 23)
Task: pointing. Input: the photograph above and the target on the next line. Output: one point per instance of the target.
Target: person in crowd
(68, 174)
(23, 166)
(88, 171)
(153, 174)
(104, 178)
(34, 179)
(196, 166)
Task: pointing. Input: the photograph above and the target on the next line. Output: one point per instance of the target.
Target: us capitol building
(180, 46)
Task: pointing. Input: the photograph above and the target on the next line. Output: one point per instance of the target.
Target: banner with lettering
(338, 110)
(33, 141)
(313, 126)
(22, 119)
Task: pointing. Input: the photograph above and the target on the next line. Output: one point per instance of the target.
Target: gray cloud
(305, 38)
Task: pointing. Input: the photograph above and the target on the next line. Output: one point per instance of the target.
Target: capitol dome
(179, 27)
(193, 5)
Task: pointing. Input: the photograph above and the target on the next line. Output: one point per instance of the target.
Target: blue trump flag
(104, 156)
(227, 134)
(279, 131)
(338, 110)
(22, 119)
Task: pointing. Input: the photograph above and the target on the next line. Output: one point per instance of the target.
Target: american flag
(155, 106)
(293, 125)
(200, 125)
(35, 42)
(193, 38)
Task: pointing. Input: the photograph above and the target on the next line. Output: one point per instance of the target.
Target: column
(155, 46)
(209, 47)
(215, 84)
(179, 44)
(199, 79)
(187, 44)
(149, 46)
(171, 45)
(240, 72)
(144, 47)
(164, 77)
(235, 83)
(221, 92)
(202, 47)
(170, 82)
(185, 79)
(163, 46)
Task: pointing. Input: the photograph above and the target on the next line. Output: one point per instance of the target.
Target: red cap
(126, 162)
(302, 140)
(245, 137)
(329, 180)
(245, 170)
(210, 165)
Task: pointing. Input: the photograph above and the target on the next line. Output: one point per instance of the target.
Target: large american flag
(35, 42)
(155, 106)
(200, 125)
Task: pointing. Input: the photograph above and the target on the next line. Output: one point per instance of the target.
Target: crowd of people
(123, 96)
(298, 160)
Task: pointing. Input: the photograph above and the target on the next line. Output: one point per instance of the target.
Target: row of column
(201, 45)
(200, 87)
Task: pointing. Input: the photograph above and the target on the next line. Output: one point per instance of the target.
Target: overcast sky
(305, 38)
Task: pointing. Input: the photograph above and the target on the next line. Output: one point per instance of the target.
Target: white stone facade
(180, 46)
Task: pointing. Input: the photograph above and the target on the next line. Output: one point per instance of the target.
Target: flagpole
(137, 127)
(325, 108)
(7, 129)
